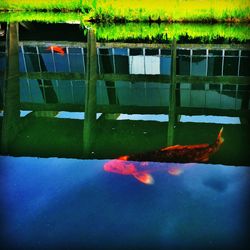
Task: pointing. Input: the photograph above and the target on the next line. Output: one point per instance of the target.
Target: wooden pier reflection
(93, 81)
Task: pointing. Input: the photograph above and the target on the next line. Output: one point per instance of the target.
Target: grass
(143, 10)
(40, 4)
(171, 11)
(49, 17)
(139, 31)
(162, 32)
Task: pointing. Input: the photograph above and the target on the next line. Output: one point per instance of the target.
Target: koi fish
(142, 170)
(57, 49)
(142, 164)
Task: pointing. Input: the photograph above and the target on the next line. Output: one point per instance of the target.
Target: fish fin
(171, 147)
(191, 164)
(144, 178)
(205, 159)
(220, 139)
(144, 163)
(175, 171)
(123, 158)
(185, 147)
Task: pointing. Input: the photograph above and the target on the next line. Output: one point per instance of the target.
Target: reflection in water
(182, 154)
(116, 80)
(2, 31)
(210, 119)
(56, 49)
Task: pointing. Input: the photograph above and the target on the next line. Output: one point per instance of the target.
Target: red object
(57, 49)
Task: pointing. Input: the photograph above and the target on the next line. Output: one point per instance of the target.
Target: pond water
(72, 102)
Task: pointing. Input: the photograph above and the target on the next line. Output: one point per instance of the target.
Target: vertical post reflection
(11, 105)
(245, 104)
(172, 97)
(108, 66)
(90, 96)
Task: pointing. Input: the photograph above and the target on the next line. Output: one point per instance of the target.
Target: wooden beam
(108, 116)
(57, 43)
(114, 109)
(135, 78)
(172, 97)
(11, 120)
(214, 46)
(214, 79)
(119, 109)
(139, 78)
(90, 96)
(52, 107)
(137, 45)
(53, 76)
(211, 111)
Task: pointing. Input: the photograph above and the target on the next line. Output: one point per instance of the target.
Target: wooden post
(11, 105)
(172, 97)
(110, 85)
(90, 97)
(244, 106)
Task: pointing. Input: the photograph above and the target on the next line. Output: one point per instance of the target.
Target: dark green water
(66, 112)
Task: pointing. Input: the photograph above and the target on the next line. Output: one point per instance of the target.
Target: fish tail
(220, 139)
(123, 157)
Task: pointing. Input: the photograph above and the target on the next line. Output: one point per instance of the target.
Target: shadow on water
(72, 96)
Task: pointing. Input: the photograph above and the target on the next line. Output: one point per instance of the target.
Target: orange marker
(57, 49)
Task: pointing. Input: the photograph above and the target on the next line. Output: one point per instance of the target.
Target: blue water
(49, 203)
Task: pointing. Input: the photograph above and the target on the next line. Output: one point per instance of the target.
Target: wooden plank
(214, 79)
(211, 111)
(137, 45)
(52, 107)
(11, 120)
(113, 109)
(57, 43)
(133, 45)
(53, 76)
(172, 98)
(134, 78)
(139, 78)
(90, 95)
(214, 46)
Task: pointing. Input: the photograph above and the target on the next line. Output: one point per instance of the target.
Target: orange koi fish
(141, 165)
(142, 170)
(57, 49)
